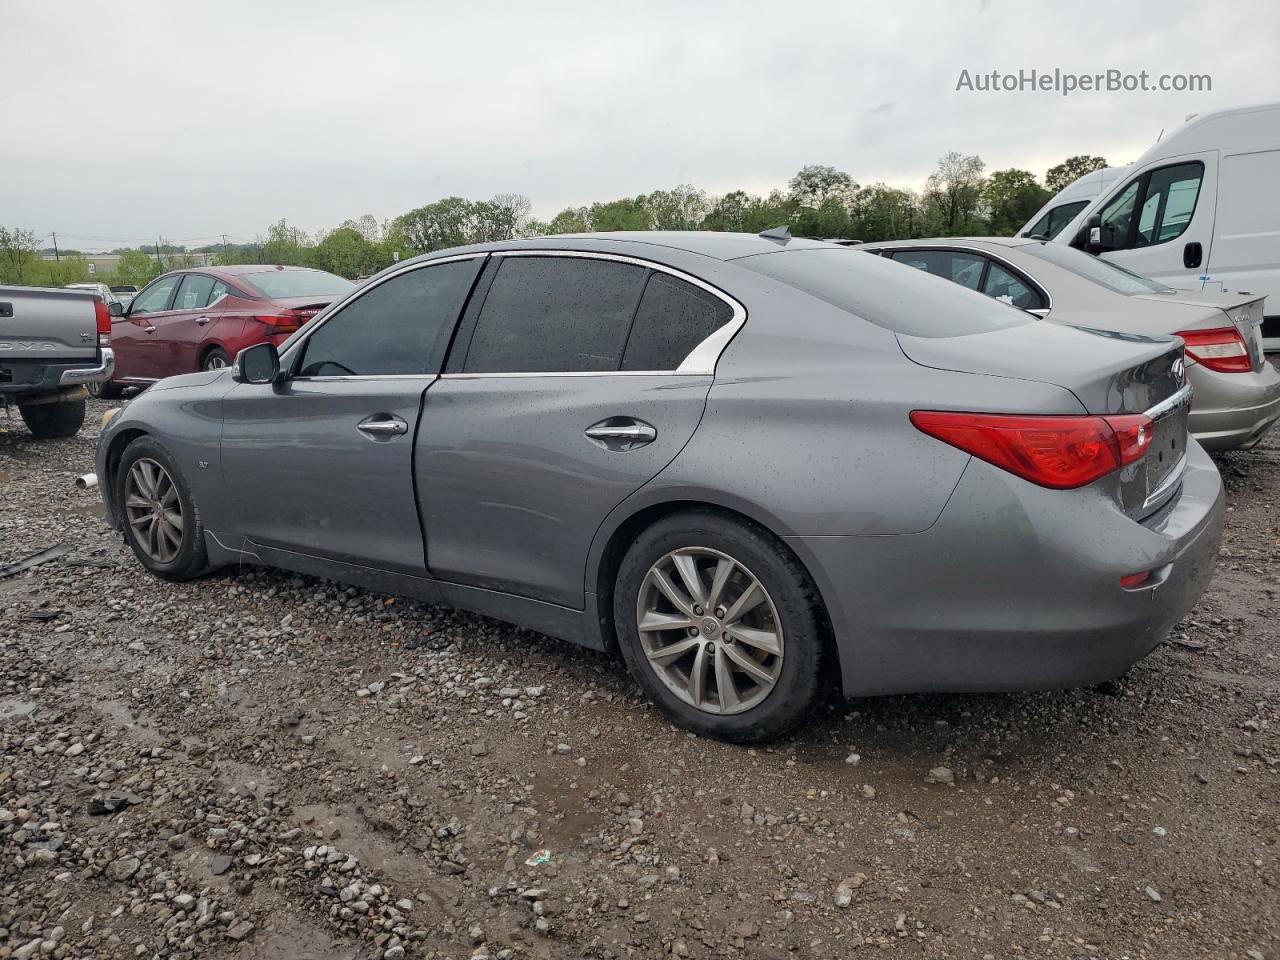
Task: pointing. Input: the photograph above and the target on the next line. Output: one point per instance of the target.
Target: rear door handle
(149, 329)
(382, 427)
(202, 320)
(621, 433)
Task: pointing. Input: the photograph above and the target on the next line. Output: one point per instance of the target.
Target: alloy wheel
(215, 362)
(154, 510)
(710, 630)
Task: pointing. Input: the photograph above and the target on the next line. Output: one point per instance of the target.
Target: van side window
(1053, 222)
(1154, 208)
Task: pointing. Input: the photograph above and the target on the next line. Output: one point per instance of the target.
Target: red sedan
(190, 320)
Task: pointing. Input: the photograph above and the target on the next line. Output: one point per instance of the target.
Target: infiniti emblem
(710, 626)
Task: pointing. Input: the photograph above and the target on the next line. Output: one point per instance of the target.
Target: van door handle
(621, 433)
(1192, 255)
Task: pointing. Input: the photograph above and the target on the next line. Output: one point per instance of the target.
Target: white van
(1053, 217)
(1200, 210)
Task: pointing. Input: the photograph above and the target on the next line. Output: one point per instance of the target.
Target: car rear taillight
(281, 323)
(1222, 350)
(1056, 452)
(103, 313)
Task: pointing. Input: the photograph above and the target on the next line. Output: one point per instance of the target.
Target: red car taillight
(281, 323)
(1056, 452)
(1222, 350)
(103, 313)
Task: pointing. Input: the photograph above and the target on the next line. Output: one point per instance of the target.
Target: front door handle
(383, 427)
(621, 433)
(202, 320)
(148, 329)
(1192, 254)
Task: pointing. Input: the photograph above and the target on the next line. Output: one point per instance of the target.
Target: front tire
(53, 421)
(216, 359)
(161, 523)
(721, 626)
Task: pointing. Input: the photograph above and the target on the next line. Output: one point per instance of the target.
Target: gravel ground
(261, 765)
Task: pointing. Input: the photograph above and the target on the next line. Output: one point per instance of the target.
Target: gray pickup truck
(52, 344)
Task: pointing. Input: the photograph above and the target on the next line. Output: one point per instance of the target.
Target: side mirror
(257, 364)
(1089, 237)
(115, 308)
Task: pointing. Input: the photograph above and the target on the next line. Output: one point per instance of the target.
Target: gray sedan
(1237, 392)
(757, 467)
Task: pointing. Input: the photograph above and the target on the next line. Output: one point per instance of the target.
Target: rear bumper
(1015, 587)
(1233, 410)
(27, 377)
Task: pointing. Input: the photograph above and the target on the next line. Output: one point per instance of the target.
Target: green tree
(953, 194)
(816, 186)
(501, 218)
(286, 245)
(136, 267)
(629, 213)
(348, 253)
(19, 256)
(571, 220)
(1070, 170)
(445, 223)
(681, 208)
(1011, 197)
(728, 212)
(886, 213)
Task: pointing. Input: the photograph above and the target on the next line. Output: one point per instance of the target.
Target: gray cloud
(149, 120)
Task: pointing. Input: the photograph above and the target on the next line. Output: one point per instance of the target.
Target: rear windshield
(891, 295)
(282, 284)
(1091, 268)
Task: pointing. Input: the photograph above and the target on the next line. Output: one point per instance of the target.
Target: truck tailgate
(44, 324)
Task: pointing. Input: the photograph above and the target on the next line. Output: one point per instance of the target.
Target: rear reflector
(1222, 350)
(1056, 452)
(1135, 580)
(103, 313)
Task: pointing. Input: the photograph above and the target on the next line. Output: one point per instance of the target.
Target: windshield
(1052, 223)
(283, 284)
(1099, 271)
(891, 295)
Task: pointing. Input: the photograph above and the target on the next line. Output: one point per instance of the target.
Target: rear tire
(216, 359)
(107, 390)
(763, 633)
(156, 507)
(53, 421)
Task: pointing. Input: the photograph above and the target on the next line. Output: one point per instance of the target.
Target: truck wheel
(52, 421)
(107, 390)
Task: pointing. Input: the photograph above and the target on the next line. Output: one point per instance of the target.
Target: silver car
(1237, 392)
(757, 467)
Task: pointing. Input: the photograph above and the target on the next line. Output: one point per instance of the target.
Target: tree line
(958, 199)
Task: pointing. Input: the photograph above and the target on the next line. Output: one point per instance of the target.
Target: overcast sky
(119, 122)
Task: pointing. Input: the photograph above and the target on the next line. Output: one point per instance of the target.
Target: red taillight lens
(281, 323)
(1222, 350)
(103, 313)
(1056, 452)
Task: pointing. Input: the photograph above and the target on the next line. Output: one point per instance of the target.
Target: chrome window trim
(701, 360)
(333, 309)
(1170, 403)
(982, 252)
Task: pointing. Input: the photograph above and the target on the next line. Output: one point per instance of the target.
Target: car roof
(706, 243)
(990, 242)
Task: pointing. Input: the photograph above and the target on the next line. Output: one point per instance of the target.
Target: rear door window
(194, 292)
(1007, 287)
(962, 268)
(555, 315)
(401, 327)
(674, 317)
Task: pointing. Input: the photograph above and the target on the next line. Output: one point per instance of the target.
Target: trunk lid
(1109, 373)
